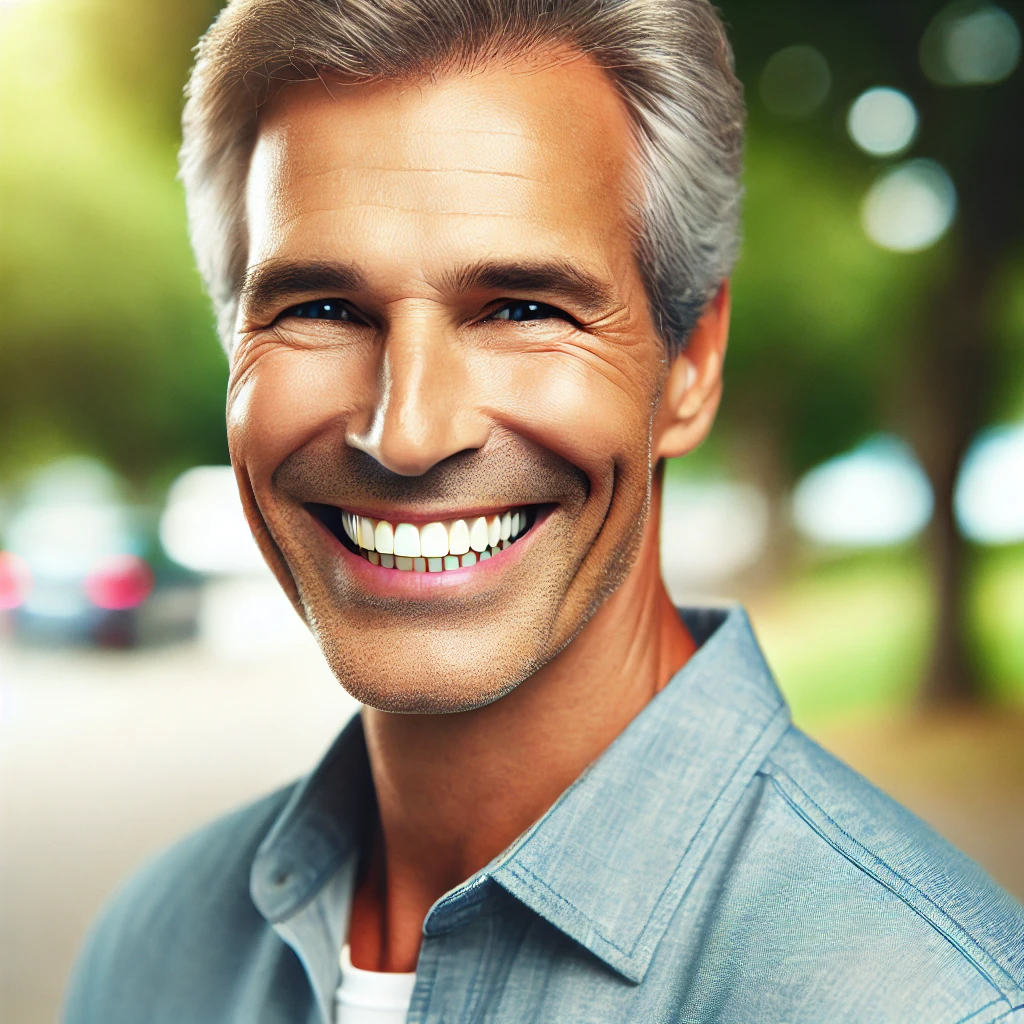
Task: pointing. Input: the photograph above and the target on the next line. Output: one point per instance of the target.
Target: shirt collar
(637, 823)
(302, 873)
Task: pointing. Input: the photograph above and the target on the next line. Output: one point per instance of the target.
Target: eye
(524, 309)
(323, 309)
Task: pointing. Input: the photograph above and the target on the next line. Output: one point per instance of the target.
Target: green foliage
(996, 616)
(848, 637)
(850, 634)
(1008, 320)
(818, 310)
(107, 343)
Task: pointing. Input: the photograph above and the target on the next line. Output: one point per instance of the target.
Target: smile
(428, 547)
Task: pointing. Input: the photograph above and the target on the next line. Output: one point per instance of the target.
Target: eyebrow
(267, 283)
(555, 276)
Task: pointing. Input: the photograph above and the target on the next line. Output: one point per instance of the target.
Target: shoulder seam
(952, 931)
(1008, 1016)
(975, 1016)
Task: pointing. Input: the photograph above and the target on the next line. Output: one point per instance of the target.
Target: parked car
(78, 564)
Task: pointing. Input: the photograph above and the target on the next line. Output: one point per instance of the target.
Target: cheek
(594, 417)
(288, 398)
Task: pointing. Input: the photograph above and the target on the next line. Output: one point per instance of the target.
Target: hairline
(681, 96)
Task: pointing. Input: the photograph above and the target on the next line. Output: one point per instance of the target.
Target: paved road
(105, 758)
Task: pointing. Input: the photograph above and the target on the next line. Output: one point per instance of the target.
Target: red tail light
(119, 583)
(15, 581)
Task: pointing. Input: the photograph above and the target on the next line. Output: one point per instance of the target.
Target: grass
(850, 635)
(998, 621)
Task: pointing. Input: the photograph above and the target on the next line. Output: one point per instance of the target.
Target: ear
(694, 386)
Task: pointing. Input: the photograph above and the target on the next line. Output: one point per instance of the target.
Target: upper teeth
(434, 540)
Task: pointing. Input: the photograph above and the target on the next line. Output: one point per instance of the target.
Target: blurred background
(862, 493)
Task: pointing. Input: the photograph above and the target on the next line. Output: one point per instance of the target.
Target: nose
(423, 409)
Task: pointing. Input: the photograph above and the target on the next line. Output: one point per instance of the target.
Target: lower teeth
(435, 564)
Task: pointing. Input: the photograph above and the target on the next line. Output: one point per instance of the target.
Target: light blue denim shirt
(714, 865)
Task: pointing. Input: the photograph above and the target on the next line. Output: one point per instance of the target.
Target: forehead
(526, 160)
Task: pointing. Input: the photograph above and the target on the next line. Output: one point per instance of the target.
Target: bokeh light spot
(711, 530)
(119, 582)
(909, 207)
(989, 498)
(795, 81)
(882, 121)
(873, 496)
(970, 44)
(15, 581)
(203, 526)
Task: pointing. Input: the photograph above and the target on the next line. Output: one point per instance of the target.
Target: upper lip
(419, 517)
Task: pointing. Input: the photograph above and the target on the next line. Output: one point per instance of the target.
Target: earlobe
(694, 385)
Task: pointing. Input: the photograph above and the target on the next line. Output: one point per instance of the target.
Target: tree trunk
(950, 677)
(971, 133)
(949, 389)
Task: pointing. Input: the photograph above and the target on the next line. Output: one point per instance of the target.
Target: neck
(455, 790)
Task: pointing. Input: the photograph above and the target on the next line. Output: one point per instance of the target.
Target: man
(470, 259)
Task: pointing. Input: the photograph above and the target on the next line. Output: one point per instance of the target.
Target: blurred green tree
(107, 345)
(834, 337)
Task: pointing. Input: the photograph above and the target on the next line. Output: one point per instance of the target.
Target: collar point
(632, 964)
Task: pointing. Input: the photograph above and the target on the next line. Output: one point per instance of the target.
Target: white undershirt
(371, 997)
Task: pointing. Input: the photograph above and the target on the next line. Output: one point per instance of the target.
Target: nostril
(408, 442)
(404, 457)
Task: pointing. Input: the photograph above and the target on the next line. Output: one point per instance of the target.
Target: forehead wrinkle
(422, 145)
(434, 133)
(338, 193)
(440, 170)
(367, 204)
(394, 188)
(346, 168)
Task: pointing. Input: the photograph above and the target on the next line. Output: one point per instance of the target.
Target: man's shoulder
(904, 861)
(211, 864)
(183, 914)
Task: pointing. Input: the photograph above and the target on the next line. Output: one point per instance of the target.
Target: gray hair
(669, 59)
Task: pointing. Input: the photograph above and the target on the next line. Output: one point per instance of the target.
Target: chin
(425, 671)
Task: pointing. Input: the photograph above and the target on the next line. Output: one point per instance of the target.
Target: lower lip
(409, 583)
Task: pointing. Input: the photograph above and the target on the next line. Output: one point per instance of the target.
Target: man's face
(443, 333)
